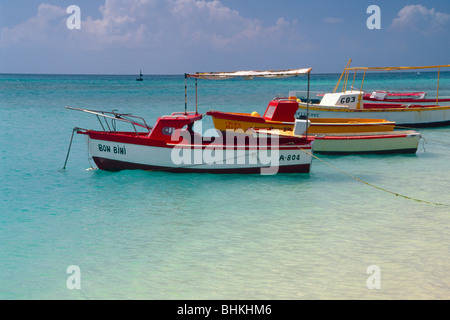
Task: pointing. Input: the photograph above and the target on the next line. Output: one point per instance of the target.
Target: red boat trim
(131, 138)
(399, 106)
(125, 137)
(235, 117)
(115, 165)
(404, 109)
(251, 147)
(361, 137)
(406, 100)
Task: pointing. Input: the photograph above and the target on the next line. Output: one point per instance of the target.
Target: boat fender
(300, 126)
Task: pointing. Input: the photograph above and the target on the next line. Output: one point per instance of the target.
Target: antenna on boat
(185, 93)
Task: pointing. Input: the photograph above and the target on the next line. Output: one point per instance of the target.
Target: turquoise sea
(159, 235)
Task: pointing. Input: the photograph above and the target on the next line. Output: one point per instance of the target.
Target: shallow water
(158, 235)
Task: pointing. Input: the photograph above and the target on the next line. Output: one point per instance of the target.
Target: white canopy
(250, 74)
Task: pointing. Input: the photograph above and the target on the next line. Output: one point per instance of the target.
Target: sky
(186, 36)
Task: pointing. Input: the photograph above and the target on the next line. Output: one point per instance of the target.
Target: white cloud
(418, 18)
(161, 35)
(37, 29)
(152, 24)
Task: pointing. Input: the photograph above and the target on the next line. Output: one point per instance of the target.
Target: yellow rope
(371, 185)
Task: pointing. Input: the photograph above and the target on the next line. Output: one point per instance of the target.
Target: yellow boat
(280, 114)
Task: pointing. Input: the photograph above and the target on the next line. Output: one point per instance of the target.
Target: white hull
(118, 156)
(420, 117)
(379, 143)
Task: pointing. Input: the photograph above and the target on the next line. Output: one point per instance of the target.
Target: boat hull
(373, 143)
(231, 121)
(112, 152)
(416, 117)
(116, 165)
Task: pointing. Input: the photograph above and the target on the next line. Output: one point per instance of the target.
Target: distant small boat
(140, 77)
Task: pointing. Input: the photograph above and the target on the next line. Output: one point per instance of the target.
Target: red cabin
(166, 126)
(281, 110)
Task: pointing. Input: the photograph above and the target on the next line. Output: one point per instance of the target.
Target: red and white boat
(173, 145)
(385, 99)
(381, 95)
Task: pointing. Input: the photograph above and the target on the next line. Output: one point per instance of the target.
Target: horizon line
(169, 74)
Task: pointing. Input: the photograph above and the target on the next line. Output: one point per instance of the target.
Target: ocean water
(159, 235)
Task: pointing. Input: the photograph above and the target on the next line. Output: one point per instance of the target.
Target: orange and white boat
(280, 114)
(331, 136)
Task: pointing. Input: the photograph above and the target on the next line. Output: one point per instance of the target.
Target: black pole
(196, 104)
(307, 105)
(70, 145)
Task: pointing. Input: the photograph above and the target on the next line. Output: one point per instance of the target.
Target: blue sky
(178, 36)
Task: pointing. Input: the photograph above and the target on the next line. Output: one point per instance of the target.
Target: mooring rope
(372, 185)
(70, 145)
(249, 154)
(421, 134)
(444, 143)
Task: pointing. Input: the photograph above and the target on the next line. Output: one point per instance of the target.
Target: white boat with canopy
(349, 102)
